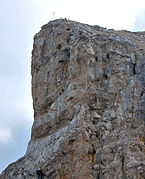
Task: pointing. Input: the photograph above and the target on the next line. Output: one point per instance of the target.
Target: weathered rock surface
(88, 87)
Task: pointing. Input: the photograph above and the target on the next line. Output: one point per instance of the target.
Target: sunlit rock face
(88, 88)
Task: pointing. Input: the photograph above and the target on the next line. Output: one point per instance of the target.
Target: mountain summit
(88, 88)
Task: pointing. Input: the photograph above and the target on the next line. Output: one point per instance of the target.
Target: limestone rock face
(88, 87)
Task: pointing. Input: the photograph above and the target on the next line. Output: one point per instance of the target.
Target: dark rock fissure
(40, 174)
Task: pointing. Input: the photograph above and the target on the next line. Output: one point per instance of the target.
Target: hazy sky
(19, 21)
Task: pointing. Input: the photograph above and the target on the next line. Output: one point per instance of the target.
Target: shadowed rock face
(88, 88)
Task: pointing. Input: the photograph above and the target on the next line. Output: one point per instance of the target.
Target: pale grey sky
(19, 21)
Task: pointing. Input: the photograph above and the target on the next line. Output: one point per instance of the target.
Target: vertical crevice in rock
(123, 165)
(40, 174)
(133, 67)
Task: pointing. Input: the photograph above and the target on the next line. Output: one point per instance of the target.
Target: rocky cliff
(88, 87)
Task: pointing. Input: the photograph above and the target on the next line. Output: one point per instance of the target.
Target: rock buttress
(88, 88)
